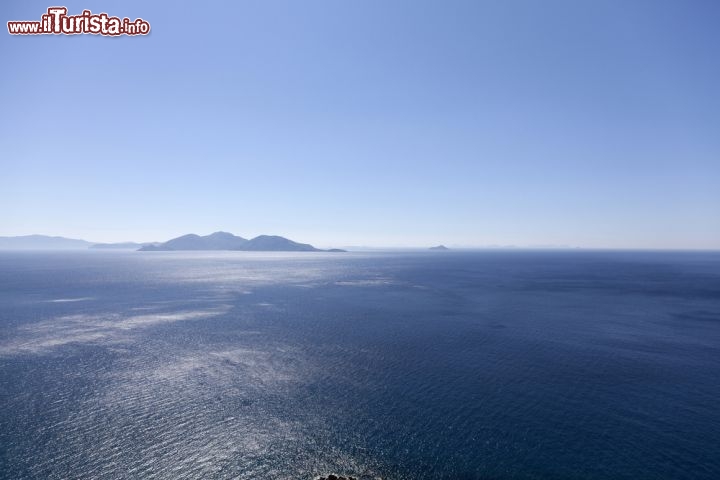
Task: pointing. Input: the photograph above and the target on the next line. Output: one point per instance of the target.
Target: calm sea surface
(486, 365)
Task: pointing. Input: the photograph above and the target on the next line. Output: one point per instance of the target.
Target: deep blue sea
(448, 365)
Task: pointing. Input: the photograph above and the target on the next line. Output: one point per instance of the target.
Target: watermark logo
(57, 22)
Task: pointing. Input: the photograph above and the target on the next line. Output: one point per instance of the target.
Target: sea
(496, 364)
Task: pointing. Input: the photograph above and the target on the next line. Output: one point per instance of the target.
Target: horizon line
(450, 246)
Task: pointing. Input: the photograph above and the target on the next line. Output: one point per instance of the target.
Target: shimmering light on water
(517, 365)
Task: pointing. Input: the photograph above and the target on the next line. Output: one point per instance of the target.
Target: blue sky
(369, 122)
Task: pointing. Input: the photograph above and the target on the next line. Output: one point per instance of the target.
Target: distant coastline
(215, 241)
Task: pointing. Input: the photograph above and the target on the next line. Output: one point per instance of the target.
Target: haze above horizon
(378, 123)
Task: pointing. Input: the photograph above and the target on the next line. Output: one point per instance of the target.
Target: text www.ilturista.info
(57, 21)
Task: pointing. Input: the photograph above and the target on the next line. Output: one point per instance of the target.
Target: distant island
(121, 246)
(439, 247)
(214, 241)
(228, 241)
(42, 242)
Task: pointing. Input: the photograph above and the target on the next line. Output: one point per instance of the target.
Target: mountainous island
(228, 241)
(214, 241)
(439, 247)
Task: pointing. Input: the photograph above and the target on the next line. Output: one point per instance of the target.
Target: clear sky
(369, 122)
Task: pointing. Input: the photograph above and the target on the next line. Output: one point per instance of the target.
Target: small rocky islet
(336, 477)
